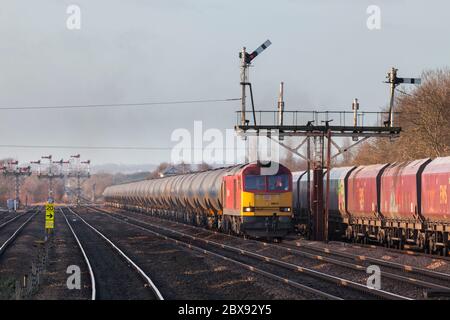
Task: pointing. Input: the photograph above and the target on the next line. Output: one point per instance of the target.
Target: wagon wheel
(388, 241)
(237, 226)
(381, 237)
(225, 225)
(348, 233)
(400, 244)
(431, 246)
(219, 223)
(366, 237)
(421, 241)
(355, 237)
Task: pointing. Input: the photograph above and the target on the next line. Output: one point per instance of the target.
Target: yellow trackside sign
(49, 216)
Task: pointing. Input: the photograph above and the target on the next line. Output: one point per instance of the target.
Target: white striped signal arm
(409, 80)
(258, 51)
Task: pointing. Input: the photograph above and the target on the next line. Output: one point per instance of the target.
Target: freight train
(392, 204)
(238, 199)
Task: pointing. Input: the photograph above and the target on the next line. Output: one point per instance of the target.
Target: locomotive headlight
(249, 209)
(285, 209)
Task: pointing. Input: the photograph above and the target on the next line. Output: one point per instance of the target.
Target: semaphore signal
(246, 60)
(394, 81)
(254, 54)
(13, 169)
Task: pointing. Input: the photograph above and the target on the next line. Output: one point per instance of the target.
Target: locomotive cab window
(278, 183)
(255, 183)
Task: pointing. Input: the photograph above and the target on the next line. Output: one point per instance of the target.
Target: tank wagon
(393, 204)
(238, 199)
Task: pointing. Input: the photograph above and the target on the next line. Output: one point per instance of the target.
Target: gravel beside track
(395, 281)
(181, 273)
(16, 259)
(413, 267)
(5, 216)
(429, 262)
(340, 287)
(63, 252)
(114, 277)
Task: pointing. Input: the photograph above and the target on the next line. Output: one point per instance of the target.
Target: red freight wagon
(400, 190)
(363, 191)
(436, 190)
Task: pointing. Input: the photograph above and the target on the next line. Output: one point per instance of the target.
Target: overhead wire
(87, 106)
(103, 147)
(114, 105)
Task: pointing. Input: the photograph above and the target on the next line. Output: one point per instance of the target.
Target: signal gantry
(319, 132)
(12, 169)
(80, 170)
(73, 168)
(52, 170)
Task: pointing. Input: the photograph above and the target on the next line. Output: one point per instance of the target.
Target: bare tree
(203, 167)
(424, 118)
(291, 160)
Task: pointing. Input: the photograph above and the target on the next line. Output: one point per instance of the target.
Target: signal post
(322, 135)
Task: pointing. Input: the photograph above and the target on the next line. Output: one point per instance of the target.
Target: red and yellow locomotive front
(258, 204)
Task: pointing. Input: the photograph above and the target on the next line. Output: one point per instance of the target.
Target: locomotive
(239, 199)
(393, 204)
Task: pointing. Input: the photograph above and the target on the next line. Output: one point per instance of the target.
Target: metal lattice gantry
(319, 131)
(322, 141)
(49, 170)
(46, 168)
(12, 169)
(79, 170)
(69, 169)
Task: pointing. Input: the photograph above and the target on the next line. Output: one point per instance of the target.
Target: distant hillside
(122, 168)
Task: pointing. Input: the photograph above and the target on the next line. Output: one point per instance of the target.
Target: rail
(86, 259)
(123, 255)
(293, 267)
(16, 233)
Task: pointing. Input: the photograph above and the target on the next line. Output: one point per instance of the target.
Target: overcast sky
(143, 51)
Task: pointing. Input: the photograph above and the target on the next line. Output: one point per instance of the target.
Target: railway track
(248, 266)
(7, 220)
(198, 274)
(397, 277)
(311, 291)
(432, 280)
(427, 278)
(8, 216)
(408, 250)
(10, 229)
(342, 288)
(5, 216)
(113, 275)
